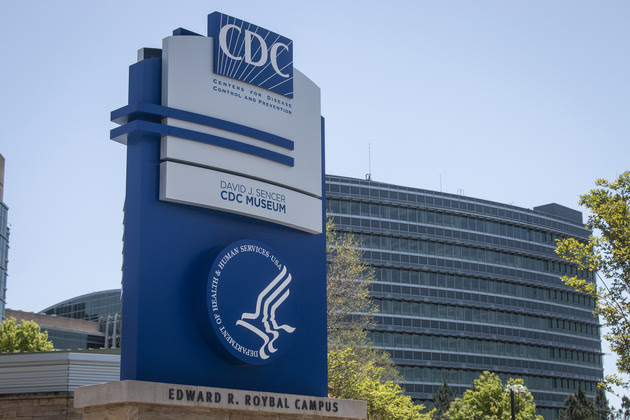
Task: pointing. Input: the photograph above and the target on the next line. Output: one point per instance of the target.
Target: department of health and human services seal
(248, 300)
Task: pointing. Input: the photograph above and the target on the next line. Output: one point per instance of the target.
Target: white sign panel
(192, 185)
(293, 156)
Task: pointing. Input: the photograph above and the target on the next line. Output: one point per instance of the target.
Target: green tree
(623, 412)
(357, 370)
(487, 399)
(442, 400)
(352, 378)
(350, 307)
(578, 407)
(25, 336)
(602, 409)
(608, 253)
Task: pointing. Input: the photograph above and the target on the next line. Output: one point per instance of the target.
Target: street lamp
(512, 389)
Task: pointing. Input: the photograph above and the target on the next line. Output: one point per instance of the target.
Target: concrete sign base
(151, 400)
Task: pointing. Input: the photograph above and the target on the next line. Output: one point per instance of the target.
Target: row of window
(356, 225)
(496, 364)
(484, 316)
(475, 284)
(437, 218)
(388, 291)
(489, 347)
(461, 377)
(486, 331)
(442, 264)
(422, 358)
(89, 307)
(69, 340)
(464, 252)
(422, 294)
(450, 297)
(4, 254)
(432, 199)
(80, 311)
(4, 230)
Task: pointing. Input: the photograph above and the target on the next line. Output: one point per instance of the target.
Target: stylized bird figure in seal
(267, 303)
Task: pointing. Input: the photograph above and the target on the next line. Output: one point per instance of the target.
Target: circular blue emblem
(249, 302)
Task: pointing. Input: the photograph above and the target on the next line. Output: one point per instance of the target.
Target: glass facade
(4, 256)
(74, 340)
(4, 243)
(90, 307)
(465, 285)
(103, 307)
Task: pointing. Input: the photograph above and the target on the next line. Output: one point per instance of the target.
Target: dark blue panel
(149, 75)
(184, 32)
(145, 81)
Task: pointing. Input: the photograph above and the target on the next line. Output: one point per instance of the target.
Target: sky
(525, 102)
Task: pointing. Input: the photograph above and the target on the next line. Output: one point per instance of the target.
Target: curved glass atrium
(103, 307)
(465, 285)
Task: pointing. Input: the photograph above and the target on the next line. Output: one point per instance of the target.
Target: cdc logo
(249, 302)
(251, 54)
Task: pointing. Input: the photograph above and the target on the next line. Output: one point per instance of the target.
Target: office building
(65, 333)
(102, 309)
(465, 285)
(4, 243)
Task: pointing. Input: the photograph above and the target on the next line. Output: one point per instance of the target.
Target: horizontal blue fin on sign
(145, 111)
(119, 134)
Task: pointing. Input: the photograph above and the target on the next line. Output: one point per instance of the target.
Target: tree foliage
(352, 378)
(25, 336)
(578, 407)
(487, 399)
(602, 409)
(608, 253)
(623, 412)
(357, 370)
(442, 400)
(350, 307)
